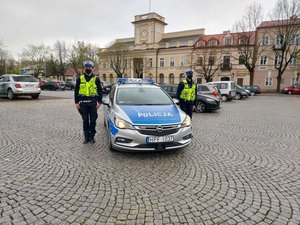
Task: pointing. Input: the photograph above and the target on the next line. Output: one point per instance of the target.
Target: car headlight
(122, 124)
(187, 122)
(210, 100)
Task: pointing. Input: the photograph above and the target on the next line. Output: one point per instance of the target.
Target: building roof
(276, 23)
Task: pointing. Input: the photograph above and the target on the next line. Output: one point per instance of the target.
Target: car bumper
(212, 105)
(21, 91)
(181, 138)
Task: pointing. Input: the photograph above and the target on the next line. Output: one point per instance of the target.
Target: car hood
(150, 114)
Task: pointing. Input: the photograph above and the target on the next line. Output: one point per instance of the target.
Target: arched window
(104, 77)
(171, 78)
(111, 78)
(181, 77)
(161, 78)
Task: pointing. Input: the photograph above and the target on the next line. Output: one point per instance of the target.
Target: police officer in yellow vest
(88, 98)
(186, 93)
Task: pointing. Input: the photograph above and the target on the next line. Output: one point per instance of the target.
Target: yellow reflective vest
(188, 93)
(88, 89)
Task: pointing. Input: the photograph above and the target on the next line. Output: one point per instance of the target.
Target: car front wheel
(224, 98)
(200, 107)
(289, 92)
(237, 96)
(10, 94)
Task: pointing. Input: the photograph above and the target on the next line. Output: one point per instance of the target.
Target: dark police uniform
(87, 93)
(186, 93)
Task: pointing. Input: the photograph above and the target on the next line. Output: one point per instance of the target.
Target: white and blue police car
(140, 116)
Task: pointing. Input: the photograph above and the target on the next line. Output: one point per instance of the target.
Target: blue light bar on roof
(135, 81)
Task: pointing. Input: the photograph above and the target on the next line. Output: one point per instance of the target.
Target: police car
(140, 116)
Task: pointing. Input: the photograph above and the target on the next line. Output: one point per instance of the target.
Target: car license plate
(154, 139)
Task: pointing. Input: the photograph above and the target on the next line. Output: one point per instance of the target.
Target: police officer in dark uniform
(186, 93)
(88, 98)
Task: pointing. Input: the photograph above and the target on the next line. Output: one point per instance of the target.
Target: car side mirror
(105, 101)
(175, 100)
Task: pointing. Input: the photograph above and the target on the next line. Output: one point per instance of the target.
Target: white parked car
(12, 85)
(227, 88)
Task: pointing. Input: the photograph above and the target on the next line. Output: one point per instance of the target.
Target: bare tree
(116, 57)
(3, 59)
(35, 56)
(207, 61)
(60, 54)
(249, 45)
(80, 51)
(286, 23)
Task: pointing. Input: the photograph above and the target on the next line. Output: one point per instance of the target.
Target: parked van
(227, 88)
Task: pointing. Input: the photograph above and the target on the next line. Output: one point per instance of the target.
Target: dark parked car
(106, 87)
(171, 89)
(254, 89)
(70, 85)
(54, 85)
(241, 93)
(204, 102)
(292, 89)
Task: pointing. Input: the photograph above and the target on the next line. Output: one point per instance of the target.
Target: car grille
(155, 131)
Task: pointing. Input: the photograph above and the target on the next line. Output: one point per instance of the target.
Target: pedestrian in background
(88, 98)
(186, 93)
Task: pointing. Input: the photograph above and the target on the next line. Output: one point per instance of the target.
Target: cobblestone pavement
(243, 167)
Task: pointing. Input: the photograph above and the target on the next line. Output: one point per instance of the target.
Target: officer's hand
(98, 105)
(77, 106)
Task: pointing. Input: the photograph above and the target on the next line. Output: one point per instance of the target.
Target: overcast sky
(24, 22)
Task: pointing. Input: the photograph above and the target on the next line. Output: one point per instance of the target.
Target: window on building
(240, 81)
(104, 65)
(182, 61)
(104, 77)
(296, 78)
(296, 39)
(293, 61)
(161, 78)
(125, 63)
(181, 77)
(263, 60)
(211, 60)
(111, 78)
(171, 78)
(150, 62)
(279, 40)
(228, 41)
(241, 60)
(201, 43)
(172, 62)
(265, 40)
(161, 62)
(278, 59)
(199, 61)
(199, 80)
(268, 81)
(243, 40)
(212, 43)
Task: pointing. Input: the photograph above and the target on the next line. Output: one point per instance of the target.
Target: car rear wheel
(252, 93)
(35, 96)
(237, 96)
(10, 94)
(224, 98)
(200, 107)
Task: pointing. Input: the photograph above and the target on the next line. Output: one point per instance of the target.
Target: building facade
(165, 56)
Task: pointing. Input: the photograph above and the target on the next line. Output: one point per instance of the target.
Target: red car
(292, 89)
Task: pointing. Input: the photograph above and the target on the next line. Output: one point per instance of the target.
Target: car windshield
(142, 96)
(24, 79)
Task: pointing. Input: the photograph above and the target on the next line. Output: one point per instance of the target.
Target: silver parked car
(12, 85)
(140, 116)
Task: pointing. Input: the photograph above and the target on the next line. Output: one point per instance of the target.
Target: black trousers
(187, 107)
(89, 116)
